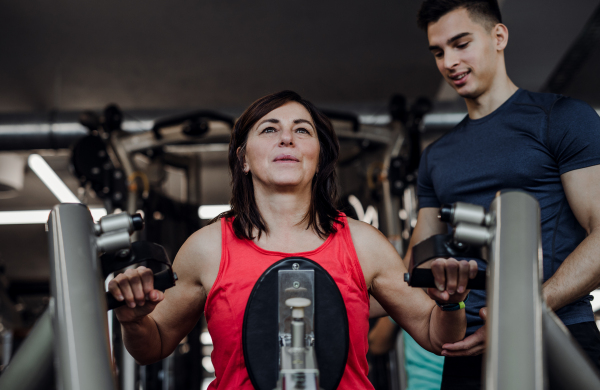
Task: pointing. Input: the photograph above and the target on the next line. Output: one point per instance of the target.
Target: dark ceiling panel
(154, 54)
(541, 32)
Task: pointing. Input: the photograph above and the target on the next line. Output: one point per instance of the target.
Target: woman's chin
(288, 184)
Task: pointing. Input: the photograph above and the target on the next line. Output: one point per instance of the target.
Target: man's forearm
(142, 340)
(577, 276)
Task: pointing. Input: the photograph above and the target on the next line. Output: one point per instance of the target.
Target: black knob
(138, 221)
(446, 212)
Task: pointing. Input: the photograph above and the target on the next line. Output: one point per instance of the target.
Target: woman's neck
(284, 214)
(282, 209)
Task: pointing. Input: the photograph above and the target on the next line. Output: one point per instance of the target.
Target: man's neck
(486, 103)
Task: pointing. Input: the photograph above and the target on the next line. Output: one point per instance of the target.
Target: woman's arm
(410, 307)
(154, 323)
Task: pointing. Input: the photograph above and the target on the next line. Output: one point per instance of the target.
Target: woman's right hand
(136, 288)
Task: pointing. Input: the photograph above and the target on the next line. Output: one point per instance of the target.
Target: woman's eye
(268, 130)
(438, 54)
(303, 130)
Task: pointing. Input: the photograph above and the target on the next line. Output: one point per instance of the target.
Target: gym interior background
(175, 74)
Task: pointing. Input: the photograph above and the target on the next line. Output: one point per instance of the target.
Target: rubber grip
(423, 277)
(112, 303)
(162, 281)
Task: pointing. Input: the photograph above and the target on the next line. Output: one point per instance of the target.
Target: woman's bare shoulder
(364, 233)
(201, 253)
(373, 249)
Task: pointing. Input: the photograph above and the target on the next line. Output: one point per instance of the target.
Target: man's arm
(580, 272)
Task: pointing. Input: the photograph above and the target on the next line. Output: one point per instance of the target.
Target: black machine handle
(441, 246)
(197, 122)
(150, 254)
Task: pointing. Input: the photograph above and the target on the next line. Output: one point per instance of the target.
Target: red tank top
(242, 263)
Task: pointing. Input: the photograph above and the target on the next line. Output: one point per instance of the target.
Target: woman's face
(283, 148)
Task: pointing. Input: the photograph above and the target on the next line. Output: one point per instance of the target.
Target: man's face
(465, 53)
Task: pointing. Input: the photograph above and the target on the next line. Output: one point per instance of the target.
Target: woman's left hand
(451, 277)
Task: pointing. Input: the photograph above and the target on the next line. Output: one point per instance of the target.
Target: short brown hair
(322, 212)
(486, 12)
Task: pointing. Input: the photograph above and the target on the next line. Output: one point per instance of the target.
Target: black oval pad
(260, 332)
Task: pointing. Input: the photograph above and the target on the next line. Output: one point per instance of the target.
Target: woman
(281, 157)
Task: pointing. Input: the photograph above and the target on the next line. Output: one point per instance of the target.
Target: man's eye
(463, 45)
(438, 54)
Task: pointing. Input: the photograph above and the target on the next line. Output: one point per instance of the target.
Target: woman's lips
(286, 158)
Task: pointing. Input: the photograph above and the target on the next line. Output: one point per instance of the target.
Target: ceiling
(146, 55)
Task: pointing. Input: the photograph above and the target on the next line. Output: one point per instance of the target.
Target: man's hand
(472, 345)
(451, 277)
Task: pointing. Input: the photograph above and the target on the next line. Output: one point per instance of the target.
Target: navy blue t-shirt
(527, 143)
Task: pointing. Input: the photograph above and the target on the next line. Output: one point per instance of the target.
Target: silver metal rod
(298, 334)
(82, 352)
(31, 367)
(568, 365)
(514, 356)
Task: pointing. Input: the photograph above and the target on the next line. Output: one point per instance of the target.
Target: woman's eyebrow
(304, 121)
(268, 121)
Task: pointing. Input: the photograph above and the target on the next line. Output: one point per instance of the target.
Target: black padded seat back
(260, 332)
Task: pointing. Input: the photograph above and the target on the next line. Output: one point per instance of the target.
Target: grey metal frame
(528, 347)
(73, 332)
(514, 357)
(82, 353)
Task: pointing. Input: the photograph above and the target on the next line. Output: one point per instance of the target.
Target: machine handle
(162, 281)
(441, 246)
(151, 255)
(423, 277)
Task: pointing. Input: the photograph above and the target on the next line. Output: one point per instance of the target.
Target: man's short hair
(485, 12)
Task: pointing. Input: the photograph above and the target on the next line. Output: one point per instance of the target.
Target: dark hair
(322, 212)
(486, 12)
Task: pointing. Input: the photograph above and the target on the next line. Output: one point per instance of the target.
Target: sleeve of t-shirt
(574, 135)
(425, 191)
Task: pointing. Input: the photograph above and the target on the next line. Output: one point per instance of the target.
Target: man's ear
(500, 33)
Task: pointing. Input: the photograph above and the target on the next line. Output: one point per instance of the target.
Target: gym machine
(295, 322)
(528, 347)
(73, 332)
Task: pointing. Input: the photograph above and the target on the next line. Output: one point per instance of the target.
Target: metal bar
(82, 352)
(31, 367)
(391, 205)
(568, 365)
(514, 356)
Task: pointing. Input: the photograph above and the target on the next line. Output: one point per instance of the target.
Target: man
(545, 144)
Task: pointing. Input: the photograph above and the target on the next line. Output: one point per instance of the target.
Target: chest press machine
(528, 347)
